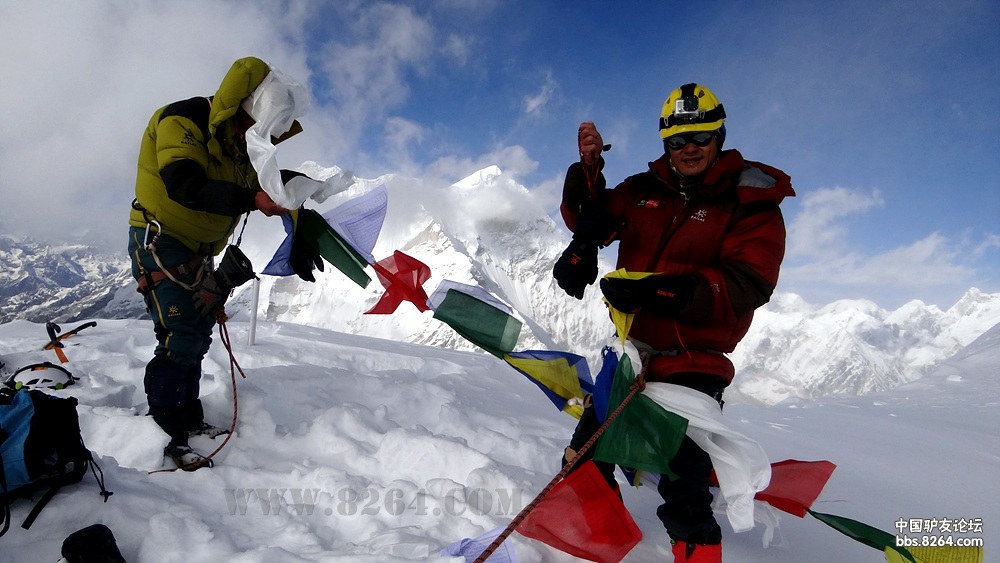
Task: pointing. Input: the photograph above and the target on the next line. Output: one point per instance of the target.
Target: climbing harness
(149, 279)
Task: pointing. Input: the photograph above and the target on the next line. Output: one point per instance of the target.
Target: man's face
(692, 160)
(242, 123)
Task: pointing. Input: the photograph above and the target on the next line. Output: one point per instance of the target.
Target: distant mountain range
(489, 231)
(63, 283)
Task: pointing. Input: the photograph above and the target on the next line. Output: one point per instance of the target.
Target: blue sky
(885, 114)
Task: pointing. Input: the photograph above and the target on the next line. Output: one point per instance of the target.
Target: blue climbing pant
(182, 334)
(183, 337)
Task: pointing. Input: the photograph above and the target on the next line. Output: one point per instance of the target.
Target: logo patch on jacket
(173, 311)
(650, 203)
(700, 215)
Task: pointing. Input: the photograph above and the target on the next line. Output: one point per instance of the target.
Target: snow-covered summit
(350, 448)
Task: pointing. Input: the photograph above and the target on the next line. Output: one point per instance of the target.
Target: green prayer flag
(858, 531)
(644, 436)
(481, 323)
(332, 247)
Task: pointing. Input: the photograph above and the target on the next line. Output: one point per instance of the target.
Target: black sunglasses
(700, 139)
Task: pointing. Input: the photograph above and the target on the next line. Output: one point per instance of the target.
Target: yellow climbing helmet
(691, 108)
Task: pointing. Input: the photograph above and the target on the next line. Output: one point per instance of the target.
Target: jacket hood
(241, 81)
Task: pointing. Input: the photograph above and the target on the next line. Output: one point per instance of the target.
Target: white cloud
(513, 161)
(990, 243)
(823, 262)
(821, 227)
(400, 138)
(931, 261)
(87, 76)
(365, 66)
(82, 86)
(549, 194)
(458, 48)
(535, 105)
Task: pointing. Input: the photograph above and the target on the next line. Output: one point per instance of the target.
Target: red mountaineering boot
(685, 552)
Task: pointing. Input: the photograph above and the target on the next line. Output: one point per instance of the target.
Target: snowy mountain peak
(479, 179)
(975, 303)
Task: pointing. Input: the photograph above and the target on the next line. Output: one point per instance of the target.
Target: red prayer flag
(795, 484)
(582, 516)
(403, 277)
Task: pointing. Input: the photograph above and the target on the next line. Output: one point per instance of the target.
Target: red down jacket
(728, 233)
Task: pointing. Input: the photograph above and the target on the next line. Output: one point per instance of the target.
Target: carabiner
(148, 244)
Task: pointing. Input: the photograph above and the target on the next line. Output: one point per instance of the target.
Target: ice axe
(54, 344)
(55, 339)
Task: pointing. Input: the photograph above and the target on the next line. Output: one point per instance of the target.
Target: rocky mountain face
(42, 283)
(488, 231)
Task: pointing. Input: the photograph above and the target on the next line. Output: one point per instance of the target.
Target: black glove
(576, 268)
(234, 270)
(664, 295)
(594, 224)
(304, 258)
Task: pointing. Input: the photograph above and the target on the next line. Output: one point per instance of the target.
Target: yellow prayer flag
(623, 321)
(936, 554)
(555, 374)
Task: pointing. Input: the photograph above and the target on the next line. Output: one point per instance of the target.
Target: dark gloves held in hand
(576, 268)
(234, 270)
(595, 225)
(304, 258)
(664, 295)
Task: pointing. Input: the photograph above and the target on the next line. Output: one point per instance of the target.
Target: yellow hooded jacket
(193, 178)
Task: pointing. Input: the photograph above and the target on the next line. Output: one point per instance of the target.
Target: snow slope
(351, 448)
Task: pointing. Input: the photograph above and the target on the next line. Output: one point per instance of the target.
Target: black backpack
(40, 450)
(93, 544)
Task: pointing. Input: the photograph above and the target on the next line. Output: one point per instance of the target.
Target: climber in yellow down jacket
(194, 183)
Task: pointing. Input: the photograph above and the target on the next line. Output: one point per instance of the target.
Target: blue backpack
(40, 450)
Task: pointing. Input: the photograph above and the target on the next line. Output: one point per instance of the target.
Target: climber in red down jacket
(707, 223)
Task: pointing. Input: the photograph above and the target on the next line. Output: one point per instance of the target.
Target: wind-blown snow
(489, 231)
(351, 448)
(485, 230)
